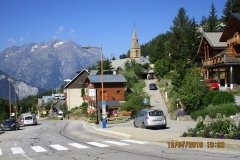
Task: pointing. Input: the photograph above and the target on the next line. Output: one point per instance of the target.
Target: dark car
(55, 109)
(152, 86)
(10, 124)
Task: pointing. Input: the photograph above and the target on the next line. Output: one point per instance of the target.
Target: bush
(218, 97)
(212, 111)
(222, 128)
(192, 90)
(84, 108)
(224, 109)
(199, 113)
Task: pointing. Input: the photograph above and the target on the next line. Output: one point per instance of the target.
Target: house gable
(79, 80)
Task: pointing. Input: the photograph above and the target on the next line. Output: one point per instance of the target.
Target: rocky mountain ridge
(46, 65)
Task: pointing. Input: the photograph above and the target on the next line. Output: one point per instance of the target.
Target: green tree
(162, 67)
(178, 42)
(4, 109)
(212, 21)
(192, 90)
(231, 6)
(134, 103)
(123, 56)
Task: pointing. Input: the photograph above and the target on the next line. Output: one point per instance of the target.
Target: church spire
(135, 51)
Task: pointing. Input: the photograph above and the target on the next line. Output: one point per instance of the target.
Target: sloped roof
(236, 16)
(83, 70)
(107, 78)
(111, 103)
(213, 39)
(120, 63)
(232, 26)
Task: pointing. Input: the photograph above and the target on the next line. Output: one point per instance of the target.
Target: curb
(114, 133)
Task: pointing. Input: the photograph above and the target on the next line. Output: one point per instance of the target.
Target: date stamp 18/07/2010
(196, 144)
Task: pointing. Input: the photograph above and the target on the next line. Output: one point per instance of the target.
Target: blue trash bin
(104, 123)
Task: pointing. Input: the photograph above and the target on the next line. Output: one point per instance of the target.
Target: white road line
(17, 150)
(98, 144)
(77, 145)
(58, 147)
(0, 152)
(38, 149)
(116, 143)
(133, 141)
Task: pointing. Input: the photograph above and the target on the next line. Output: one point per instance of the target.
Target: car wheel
(143, 125)
(164, 127)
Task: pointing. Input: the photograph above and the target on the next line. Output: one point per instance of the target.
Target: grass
(236, 92)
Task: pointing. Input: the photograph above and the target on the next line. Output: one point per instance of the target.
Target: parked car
(60, 115)
(10, 124)
(212, 84)
(55, 109)
(62, 97)
(153, 86)
(30, 119)
(153, 118)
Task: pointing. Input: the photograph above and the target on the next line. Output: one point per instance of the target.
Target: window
(119, 92)
(28, 118)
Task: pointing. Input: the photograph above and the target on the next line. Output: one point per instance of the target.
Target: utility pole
(9, 96)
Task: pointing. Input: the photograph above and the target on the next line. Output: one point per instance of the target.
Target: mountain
(18, 89)
(47, 64)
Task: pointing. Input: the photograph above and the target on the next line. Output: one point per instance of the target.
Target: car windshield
(8, 121)
(155, 113)
(28, 118)
(212, 81)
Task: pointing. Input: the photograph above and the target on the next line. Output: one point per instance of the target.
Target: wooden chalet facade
(220, 53)
(113, 90)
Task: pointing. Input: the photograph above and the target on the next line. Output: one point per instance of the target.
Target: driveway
(174, 128)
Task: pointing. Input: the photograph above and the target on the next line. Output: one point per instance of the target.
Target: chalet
(73, 90)
(220, 53)
(113, 90)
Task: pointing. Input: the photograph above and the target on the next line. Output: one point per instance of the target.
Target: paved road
(72, 140)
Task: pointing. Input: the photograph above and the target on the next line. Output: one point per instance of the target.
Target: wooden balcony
(222, 59)
(235, 40)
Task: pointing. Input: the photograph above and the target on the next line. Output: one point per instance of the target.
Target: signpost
(145, 101)
(104, 122)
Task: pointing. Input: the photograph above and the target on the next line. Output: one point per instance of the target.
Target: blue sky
(92, 22)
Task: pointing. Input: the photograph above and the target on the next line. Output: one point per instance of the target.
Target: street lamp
(88, 47)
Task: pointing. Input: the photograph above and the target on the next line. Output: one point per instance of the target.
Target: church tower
(135, 50)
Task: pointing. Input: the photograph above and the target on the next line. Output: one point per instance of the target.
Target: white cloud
(28, 34)
(73, 33)
(21, 39)
(60, 30)
(12, 41)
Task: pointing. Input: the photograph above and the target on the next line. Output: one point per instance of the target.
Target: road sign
(104, 104)
(145, 101)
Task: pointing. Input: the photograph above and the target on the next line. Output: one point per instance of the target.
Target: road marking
(0, 152)
(38, 149)
(77, 145)
(17, 150)
(116, 143)
(133, 141)
(98, 144)
(58, 147)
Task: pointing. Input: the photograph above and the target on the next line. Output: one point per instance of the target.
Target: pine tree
(227, 11)
(212, 21)
(178, 42)
(231, 6)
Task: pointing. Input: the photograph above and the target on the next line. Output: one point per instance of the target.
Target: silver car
(147, 118)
